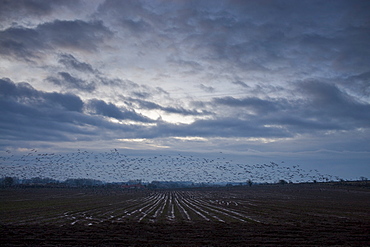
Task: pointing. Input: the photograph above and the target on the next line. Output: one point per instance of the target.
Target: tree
(282, 182)
(249, 182)
(8, 181)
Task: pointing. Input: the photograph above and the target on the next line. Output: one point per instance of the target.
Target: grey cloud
(29, 114)
(359, 83)
(294, 69)
(29, 122)
(26, 43)
(68, 81)
(207, 89)
(351, 46)
(300, 125)
(69, 102)
(15, 10)
(217, 33)
(255, 35)
(69, 61)
(258, 105)
(63, 114)
(75, 34)
(110, 110)
(240, 83)
(236, 127)
(20, 43)
(243, 35)
(33, 7)
(328, 100)
(144, 104)
(142, 95)
(160, 90)
(186, 64)
(24, 93)
(124, 83)
(267, 41)
(132, 15)
(136, 26)
(7, 88)
(323, 107)
(222, 127)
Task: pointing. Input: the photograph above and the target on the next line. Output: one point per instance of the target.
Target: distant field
(313, 214)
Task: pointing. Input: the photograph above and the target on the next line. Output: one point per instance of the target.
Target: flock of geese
(114, 166)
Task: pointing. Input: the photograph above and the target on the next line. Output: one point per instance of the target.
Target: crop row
(159, 206)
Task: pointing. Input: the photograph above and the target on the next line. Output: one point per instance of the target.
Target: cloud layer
(269, 76)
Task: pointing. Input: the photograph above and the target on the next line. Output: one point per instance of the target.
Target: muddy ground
(269, 215)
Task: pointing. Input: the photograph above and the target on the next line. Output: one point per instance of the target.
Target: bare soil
(268, 215)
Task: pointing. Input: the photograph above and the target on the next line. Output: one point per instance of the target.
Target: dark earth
(330, 214)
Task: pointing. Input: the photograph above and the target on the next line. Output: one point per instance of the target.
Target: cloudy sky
(259, 80)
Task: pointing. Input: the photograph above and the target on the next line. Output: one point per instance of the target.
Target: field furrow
(293, 214)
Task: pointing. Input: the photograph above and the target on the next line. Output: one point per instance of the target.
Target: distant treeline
(50, 182)
(86, 182)
(137, 184)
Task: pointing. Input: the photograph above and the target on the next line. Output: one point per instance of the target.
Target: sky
(254, 81)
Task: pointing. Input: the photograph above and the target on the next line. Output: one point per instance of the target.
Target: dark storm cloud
(110, 110)
(24, 93)
(322, 107)
(30, 114)
(328, 101)
(266, 37)
(20, 43)
(254, 36)
(68, 81)
(27, 43)
(27, 122)
(30, 7)
(18, 9)
(68, 101)
(301, 125)
(257, 105)
(260, 36)
(75, 34)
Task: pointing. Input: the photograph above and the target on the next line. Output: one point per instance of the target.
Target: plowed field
(260, 215)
